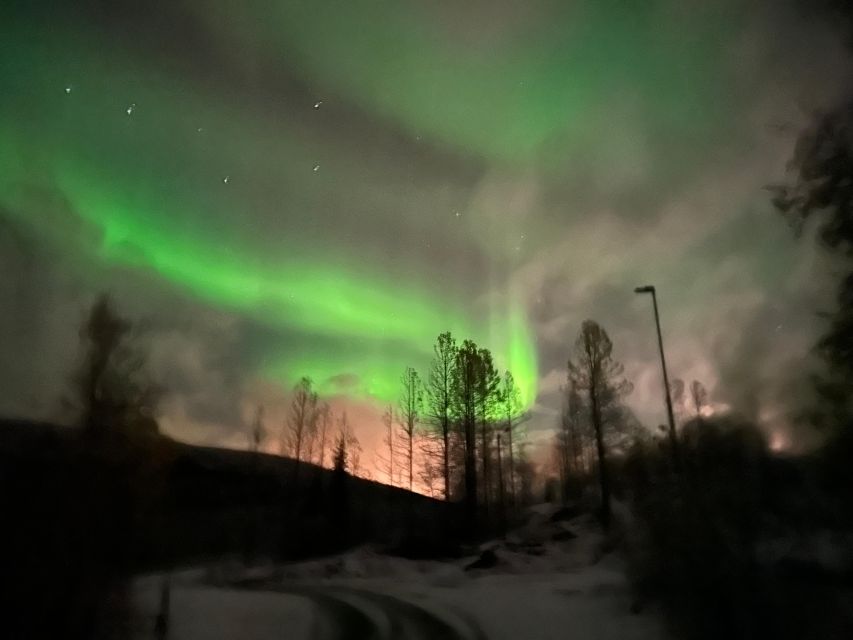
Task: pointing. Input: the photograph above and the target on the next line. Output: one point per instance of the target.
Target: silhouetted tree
(430, 470)
(256, 437)
(465, 380)
(339, 494)
(510, 399)
(324, 421)
(409, 411)
(76, 506)
(571, 441)
(696, 551)
(822, 187)
(111, 387)
(301, 420)
(339, 456)
(593, 369)
(352, 446)
(527, 478)
(440, 398)
(581, 437)
(385, 461)
(487, 406)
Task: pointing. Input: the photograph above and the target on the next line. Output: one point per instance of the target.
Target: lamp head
(645, 289)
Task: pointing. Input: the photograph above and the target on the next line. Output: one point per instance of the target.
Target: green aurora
(169, 171)
(351, 316)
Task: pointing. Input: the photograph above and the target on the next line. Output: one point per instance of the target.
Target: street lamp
(672, 438)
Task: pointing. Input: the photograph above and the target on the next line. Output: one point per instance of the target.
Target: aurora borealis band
(137, 174)
(279, 189)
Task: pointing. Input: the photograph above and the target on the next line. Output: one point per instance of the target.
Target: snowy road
(565, 587)
(359, 614)
(261, 610)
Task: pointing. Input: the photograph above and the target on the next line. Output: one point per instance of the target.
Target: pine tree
(440, 399)
(487, 406)
(465, 377)
(510, 399)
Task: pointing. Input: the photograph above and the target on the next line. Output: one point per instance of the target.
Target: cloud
(643, 159)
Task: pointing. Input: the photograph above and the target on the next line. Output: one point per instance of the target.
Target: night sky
(279, 189)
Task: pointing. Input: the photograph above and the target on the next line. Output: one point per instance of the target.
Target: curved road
(346, 613)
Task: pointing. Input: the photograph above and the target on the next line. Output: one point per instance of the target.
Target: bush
(694, 546)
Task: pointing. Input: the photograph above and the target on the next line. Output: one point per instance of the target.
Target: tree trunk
(501, 499)
(411, 456)
(446, 437)
(511, 466)
(602, 457)
(470, 474)
(485, 447)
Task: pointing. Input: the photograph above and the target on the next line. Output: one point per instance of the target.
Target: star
(226, 179)
(317, 104)
(316, 168)
(68, 89)
(131, 108)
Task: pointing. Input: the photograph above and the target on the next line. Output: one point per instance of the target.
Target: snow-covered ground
(541, 588)
(201, 612)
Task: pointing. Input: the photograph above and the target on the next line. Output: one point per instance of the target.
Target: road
(347, 613)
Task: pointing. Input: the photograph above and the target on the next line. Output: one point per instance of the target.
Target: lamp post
(672, 437)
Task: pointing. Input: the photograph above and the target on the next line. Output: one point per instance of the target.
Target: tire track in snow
(348, 613)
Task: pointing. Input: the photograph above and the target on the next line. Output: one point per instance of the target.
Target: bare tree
(593, 369)
(564, 450)
(385, 462)
(111, 388)
(561, 454)
(409, 413)
(430, 469)
(571, 441)
(323, 423)
(301, 420)
(440, 398)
